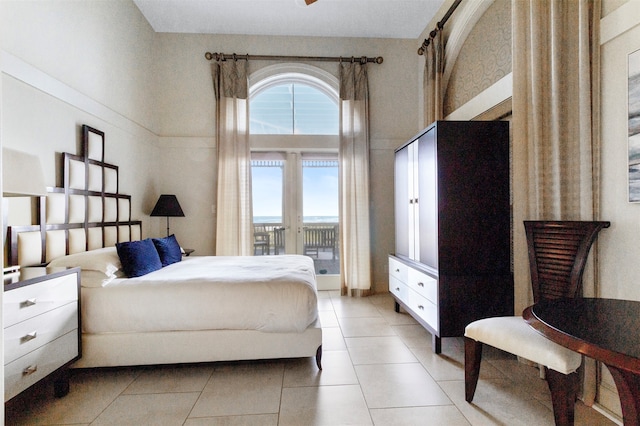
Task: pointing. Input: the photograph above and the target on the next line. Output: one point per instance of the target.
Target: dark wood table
(607, 330)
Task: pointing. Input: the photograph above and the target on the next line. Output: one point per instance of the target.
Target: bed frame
(88, 213)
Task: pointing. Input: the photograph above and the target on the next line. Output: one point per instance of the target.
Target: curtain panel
(234, 227)
(355, 256)
(432, 80)
(556, 133)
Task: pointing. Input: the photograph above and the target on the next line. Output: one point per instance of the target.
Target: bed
(197, 309)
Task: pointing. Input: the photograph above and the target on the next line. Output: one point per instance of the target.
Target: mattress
(263, 293)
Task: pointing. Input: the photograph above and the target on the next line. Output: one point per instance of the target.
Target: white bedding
(264, 293)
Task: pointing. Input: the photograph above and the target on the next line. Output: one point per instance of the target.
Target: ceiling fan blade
(308, 2)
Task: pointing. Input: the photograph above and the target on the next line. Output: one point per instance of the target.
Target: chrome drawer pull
(29, 336)
(28, 302)
(420, 284)
(29, 370)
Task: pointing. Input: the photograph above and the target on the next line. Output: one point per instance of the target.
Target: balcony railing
(320, 240)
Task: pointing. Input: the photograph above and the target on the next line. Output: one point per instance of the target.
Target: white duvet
(266, 293)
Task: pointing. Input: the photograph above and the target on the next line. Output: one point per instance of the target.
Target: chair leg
(472, 358)
(564, 390)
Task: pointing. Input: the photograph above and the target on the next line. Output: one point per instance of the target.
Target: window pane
(315, 113)
(293, 109)
(266, 181)
(272, 111)
(320, 193)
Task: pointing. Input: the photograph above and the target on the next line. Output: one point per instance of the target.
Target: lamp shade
(21, 174)
(167, 205)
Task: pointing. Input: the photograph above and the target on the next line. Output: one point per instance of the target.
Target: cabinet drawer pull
(420, 284)
(29, 336)
(421, 307)
(397, 270)
(397, 288)
(29, 370)
(28, 302)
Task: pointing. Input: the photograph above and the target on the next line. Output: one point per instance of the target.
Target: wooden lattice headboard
(87, 213)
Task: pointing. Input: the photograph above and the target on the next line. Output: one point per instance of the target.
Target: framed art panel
(634, 127)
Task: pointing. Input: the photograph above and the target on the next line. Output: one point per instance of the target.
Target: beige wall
(71, 63)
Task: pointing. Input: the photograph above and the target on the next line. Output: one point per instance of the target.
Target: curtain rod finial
(379, 60)
(208, 55)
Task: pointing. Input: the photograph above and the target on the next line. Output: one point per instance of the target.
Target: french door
(295, 209)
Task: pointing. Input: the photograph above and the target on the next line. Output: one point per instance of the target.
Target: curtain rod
(439, 27)
(222, 56)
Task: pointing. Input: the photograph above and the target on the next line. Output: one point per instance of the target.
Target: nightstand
(41, 327)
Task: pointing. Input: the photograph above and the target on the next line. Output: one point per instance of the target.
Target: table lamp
(21, 177)
(168, 206)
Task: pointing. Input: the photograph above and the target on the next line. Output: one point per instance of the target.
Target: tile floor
(378, 369)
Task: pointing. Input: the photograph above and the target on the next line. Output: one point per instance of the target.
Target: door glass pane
(320, 214)
(268, 219)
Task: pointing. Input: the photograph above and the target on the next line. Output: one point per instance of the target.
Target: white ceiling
(324, 18)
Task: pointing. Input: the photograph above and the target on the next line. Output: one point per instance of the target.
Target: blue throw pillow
(168, 249)
(138, 257)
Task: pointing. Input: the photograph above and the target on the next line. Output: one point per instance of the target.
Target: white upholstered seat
(514, 335)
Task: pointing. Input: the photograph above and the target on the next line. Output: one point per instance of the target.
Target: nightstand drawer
(29, 369)
(424, 309)
(26, 302)
(398, 270)
(30, 334)
(424, 285)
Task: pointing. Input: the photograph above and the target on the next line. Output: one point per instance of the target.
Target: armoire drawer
(425, 309)
(398, 288)
(398, 270)
(424, 285)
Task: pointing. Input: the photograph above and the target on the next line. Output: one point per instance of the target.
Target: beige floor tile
(332, 339)
(413, 335)
(148, 409)
(365, 327)
(411, 416)
(499, 402)
(399, 385)
(324, 405)
(337, 369)
(328, 319)
(354, 308)
(91, 393)
(251, 420)
(166, 379)
(241, 388)
(378, 350)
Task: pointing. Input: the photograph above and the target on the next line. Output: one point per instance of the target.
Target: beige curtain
(234, 228)
(433, 71)
(355, 258)
(556, 146)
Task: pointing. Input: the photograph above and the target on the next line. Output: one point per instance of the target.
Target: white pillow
(98, 267)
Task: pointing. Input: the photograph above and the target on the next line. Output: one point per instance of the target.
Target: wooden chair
(558, 251)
